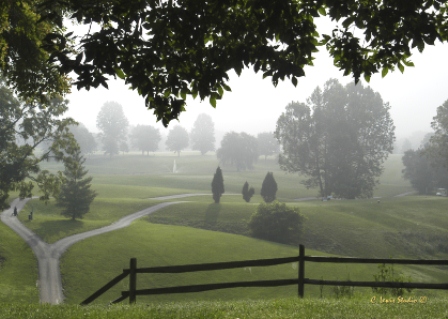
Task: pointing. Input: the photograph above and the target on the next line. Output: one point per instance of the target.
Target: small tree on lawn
(217, 185)
(269, 188)
(276, 222)
(75, 196)
(247, 192)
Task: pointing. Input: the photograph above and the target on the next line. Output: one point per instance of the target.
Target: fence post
(301, 282)
(132, 280)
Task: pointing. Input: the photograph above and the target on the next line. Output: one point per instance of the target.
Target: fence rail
(300, 281)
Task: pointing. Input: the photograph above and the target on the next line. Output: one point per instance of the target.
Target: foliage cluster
(146, 138)
(202, 135)
(30, 134)
(84, 138)
(239, 150)
(339, 139)
(217, 185)
(247, 192)
(277, 222)
(167, 51)
(113, 125)
(75, 196)
(269, 188)
(388, 274)
(267, 144)
(427, 167)
(177, 139)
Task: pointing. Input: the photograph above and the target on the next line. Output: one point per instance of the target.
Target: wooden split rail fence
(300, 281)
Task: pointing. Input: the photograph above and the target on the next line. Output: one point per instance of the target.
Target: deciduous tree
(419, 171)
(23, 128)
(339, 139)
(177, 139)
(239, 150)
(427, 167)
(113, 125)
(438, 145)
(217, 185)
(84, 138)
(168, 50)
(202, 135)
(267, 144)
(146, 138)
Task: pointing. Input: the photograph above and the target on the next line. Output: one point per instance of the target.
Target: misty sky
(254, 104)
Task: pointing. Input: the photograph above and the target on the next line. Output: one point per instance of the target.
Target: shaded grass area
(411, 227)
(18, 270)
(402, 227)
(259, 309)
(230, 216)
(51, 226)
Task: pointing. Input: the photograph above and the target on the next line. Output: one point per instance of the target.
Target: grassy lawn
(91, 263)
(51, 226)
(153, 176)
(200, 231)
(18, 269)
(256, 309)
(412, 226)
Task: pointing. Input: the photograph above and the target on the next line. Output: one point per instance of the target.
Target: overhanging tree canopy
(167, 50)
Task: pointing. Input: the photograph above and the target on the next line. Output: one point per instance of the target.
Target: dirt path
(48, 255)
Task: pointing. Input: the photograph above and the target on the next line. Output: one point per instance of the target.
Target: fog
(254, 104)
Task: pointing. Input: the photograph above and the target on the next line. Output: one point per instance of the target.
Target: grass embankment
(91, 263)
(410, 227)
(247, 309)
(18, 269)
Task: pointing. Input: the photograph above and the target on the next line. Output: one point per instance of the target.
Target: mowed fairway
(201, 231)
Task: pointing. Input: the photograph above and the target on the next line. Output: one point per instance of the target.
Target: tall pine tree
(217, 185)
(75, 196)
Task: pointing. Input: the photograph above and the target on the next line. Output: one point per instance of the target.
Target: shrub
(217, 185)
(247, 192)
(269, 188)
(388, 274)
(276, 222)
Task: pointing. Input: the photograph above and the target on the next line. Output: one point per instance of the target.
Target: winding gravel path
(50, 284)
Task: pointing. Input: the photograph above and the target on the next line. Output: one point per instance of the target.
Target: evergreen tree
(247, 192)
(217, 185)
(75, 196)
(269, 188)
